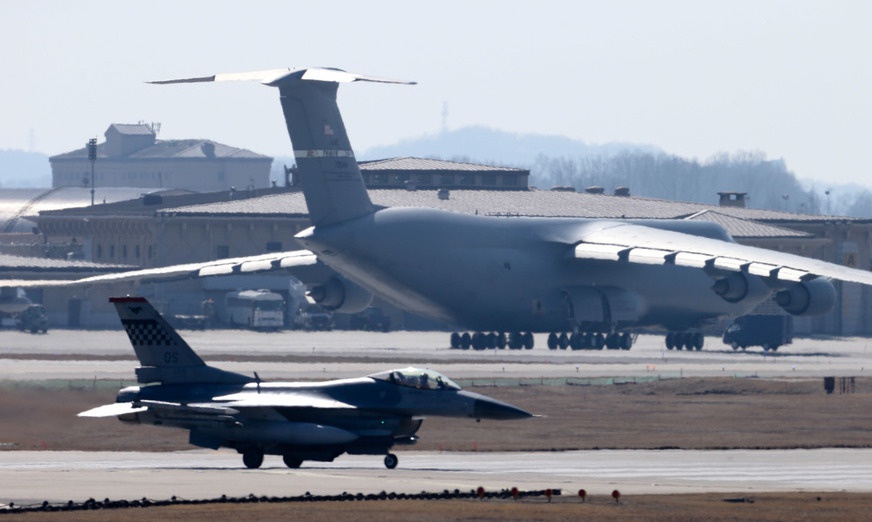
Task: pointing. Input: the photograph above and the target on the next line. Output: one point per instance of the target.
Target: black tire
(252, 459)
(455, 340)
(292, 461)
(626, 341)
(391, 461)
(552, 341)
(528, 341)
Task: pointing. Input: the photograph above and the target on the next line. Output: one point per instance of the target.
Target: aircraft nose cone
(487, 408)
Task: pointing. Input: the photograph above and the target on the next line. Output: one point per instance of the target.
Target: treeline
(768, 183)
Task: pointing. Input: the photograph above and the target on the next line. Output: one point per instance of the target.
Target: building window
(489, 179)
(136, 251)
(99, 250)
(273, 246)
(111, 251)
(446, 179)
(222, 252)
(510, 180)
(124, 251)
(467, 180)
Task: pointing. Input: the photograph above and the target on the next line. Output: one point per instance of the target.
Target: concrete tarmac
(340, 354)
(31, 477)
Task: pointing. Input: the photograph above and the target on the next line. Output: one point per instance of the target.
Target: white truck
(256, 309)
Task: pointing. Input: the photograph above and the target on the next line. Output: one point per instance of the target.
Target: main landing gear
(590, 341)
(687, 340)
(391, 461)
(482, 341)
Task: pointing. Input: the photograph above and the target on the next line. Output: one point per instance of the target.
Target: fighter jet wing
(281, 400)
(301, 263)
(633, 243)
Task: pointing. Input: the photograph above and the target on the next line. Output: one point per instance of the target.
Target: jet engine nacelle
(813, 297)
(338, 294)
(732, 288)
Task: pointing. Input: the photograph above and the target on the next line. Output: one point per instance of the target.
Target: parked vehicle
(768, 331)
(33, 319)
(257, 309)
(372, 318)
(314, 317)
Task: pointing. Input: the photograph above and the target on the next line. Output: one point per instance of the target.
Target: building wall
(197, 174)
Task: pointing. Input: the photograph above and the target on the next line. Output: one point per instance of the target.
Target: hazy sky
(790, 78)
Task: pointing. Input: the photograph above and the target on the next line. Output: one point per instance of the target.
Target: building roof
(740, 222)
(171, 149)
(409, 164)
(10, 263)
(17, 204)
(745, 228)
(147, 202)
(132, 129)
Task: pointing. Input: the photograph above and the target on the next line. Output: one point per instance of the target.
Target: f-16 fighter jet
(300, 421)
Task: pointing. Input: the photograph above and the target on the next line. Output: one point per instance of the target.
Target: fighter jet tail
(326, 167)
(163, 355)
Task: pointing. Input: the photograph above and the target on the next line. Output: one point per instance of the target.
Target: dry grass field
(677, 413)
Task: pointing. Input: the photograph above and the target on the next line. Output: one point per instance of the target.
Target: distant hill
(486, 146)
(19, 169)
(496, 147)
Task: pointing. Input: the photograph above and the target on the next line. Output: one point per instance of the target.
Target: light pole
(92, 155)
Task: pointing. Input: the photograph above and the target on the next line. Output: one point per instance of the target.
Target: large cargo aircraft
(587, 282)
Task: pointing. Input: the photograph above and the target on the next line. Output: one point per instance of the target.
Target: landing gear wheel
(252, 459)
(391, 461)
(528, 341)
(292, 461)
(455, 340)
(576, 341)
(552, 341)
(626, 341)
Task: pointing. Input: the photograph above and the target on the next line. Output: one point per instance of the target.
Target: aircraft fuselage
(514, 273)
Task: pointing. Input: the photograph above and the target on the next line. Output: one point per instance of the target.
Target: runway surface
(31, 477)
(326, 355)
(60, 476)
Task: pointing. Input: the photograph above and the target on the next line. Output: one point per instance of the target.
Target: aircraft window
(417, 378)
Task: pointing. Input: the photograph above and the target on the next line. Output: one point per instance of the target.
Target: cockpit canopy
(417, 378)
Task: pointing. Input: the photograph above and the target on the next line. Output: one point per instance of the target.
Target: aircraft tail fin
(328, 172)
(163, 355)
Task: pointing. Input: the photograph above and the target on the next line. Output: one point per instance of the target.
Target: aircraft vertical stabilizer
(328, 172)
(163, 355)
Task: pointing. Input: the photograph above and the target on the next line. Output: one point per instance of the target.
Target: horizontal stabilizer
(179, 408)
(273, 76)
(112, 410)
